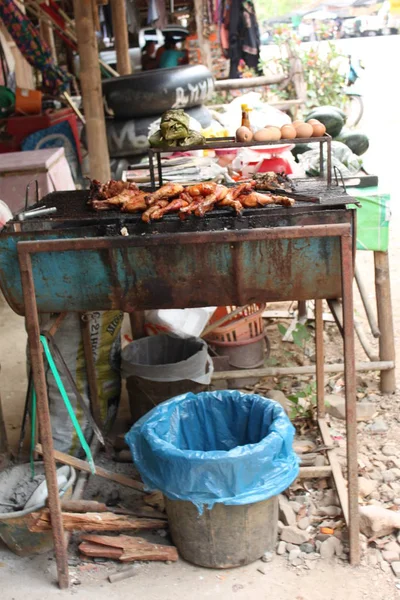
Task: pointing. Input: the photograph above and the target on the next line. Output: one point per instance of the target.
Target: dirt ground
(325, 581)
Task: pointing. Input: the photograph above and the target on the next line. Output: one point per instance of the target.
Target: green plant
(300, 334)
(321, 70)
(304, 403)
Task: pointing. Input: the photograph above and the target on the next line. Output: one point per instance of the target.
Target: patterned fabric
(34, 49)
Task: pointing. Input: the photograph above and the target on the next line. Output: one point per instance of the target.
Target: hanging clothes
(132, 16)
(240, 20)
(35, 50)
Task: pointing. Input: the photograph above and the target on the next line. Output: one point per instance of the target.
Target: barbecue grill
(80, 261)
(178, 263)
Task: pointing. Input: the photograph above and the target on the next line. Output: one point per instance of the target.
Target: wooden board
(131, 548)
(94, 522)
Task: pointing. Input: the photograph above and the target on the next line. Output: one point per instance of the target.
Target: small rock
(331, 547)
(321, 537)
(280, 526)
(377, 521)
(304, 523)
(385, 567)
(296, 506)
(335, 406)
(290, 547)
(318, 545)
(162, 533)
(366, 486)
(330, 511)
(293, 535)
(376, 475)
(386, 492)
(388, 476)
(297, 562)
(281, 548)
(307, 548)
(389, 450)
(373, 558)
(267, 557)
(396, 568)
(320, 461)
(378, 426)
(390, 556)
(286, 512)
(365, 411)
(330, 499)
(393, 546)
(293, 554)
(280, 397)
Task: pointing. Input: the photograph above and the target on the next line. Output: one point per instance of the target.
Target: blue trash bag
(213, 447)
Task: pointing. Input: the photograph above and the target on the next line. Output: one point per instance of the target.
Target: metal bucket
(14, 526)
(225, 536)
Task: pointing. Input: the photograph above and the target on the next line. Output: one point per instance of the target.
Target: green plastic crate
(372, 218)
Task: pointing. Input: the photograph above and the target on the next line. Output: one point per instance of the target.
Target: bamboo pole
(121, 42)
(91, 91)
(385, 320)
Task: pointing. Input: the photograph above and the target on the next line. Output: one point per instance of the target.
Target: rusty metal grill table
(265, 255)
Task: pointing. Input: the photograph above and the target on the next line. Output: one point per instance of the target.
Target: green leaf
(282, 329)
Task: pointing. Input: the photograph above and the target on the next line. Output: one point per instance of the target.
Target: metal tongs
(39, 211)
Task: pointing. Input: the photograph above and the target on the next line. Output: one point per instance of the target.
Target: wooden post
(46, 31)
(385, 320)
(204, 42)
(91, 91)
(96, 18)
(121, 42)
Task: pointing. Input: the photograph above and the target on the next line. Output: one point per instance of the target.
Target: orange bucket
(28, 102)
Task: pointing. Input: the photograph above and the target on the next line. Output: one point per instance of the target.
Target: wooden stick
(315, 472)
(83, 506)
(121, 575)
(90, 79)
(367, 304)
(248, 82)
(385, 320)
(134, 548)
(336, 469)
(82, 465)
(306, 370)
(121, 41)
(105, 521)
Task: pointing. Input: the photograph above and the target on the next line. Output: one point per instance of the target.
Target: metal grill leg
(350, 388)
(319, 353)
(39, 378)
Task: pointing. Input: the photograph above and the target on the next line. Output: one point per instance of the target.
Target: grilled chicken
(201, 189)
(110, 189)
(256, 199)
(118, 201)
(173, 206)
(271, 181)
(209, 201)
(169, 190)
(136, 203)
(147, 215)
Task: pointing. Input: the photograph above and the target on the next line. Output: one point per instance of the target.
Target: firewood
(133, 548)
(156, 500)
(97, 551)
(93, 522)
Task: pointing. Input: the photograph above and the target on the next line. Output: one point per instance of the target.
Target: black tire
(153, 92)
(128, 138)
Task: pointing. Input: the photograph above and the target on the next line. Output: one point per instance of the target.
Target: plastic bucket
(28, 102)
(225, 536)
(161, 367)
(14, 526)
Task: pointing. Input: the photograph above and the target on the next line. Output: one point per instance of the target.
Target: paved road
(380, 86)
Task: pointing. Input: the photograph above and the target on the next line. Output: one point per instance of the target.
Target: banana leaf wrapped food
(174, 124)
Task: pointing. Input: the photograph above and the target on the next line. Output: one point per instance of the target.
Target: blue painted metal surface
(173, 275)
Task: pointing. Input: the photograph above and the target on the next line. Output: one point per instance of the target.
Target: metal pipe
(350, 394)
(198, 237)
(39, 378)
(306, 370)
(319, 354)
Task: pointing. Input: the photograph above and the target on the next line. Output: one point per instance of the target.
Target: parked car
(349, 28)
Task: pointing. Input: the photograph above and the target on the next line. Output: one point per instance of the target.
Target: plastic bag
(342, 157)
(168, 358)
(215, 447)
(184, 322)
